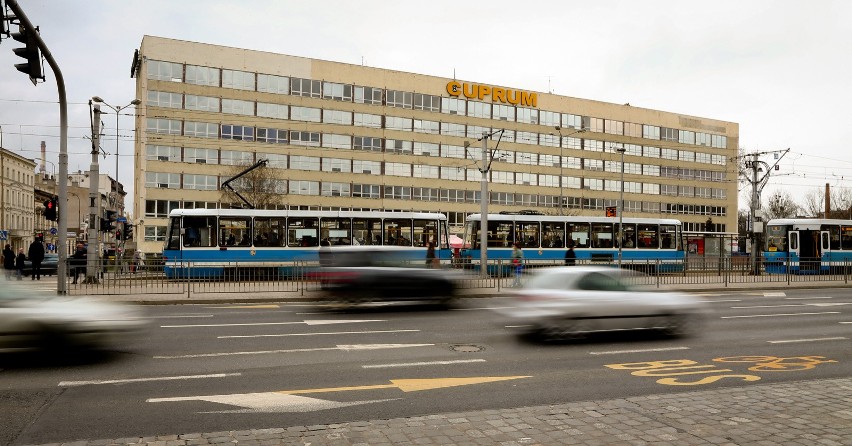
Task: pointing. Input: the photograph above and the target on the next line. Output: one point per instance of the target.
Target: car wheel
(679, 325)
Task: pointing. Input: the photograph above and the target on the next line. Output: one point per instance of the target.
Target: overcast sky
(780, 69)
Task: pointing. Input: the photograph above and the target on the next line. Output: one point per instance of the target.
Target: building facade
(342, 136)
(18, 209)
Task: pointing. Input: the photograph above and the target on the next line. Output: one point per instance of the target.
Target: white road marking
(138, 380)
(314, 334)
(831, 304)
(774, 294)
(481, 308)
(266, 402)
(308, 322)
(355, 347)
(418, 364)
(617, 352)
(807, 298)
(180, 317)
(773, 306)
(787, 341)
(720, 300)
(781, 314)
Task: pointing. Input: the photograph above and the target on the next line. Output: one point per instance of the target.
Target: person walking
(431, 260)
(36, 256)
(78, 262)
(517, 263)
(570, 255)
(8, 260)
(20, 260)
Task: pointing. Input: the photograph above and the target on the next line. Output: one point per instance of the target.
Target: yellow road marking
(410, 385)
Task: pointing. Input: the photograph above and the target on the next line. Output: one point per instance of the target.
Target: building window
(398, 123)
(336, 141)
(502, 112)
(201, 129)
(668, 189)
(303, 187)
(165, 126)
(337, 117)
(424, 126)
(165, 99)
(200, 182)
(669, 154)
(425, 194)
(367, 167)
(367, 143)
(306, 114)
(426, 149)
(368, 95)
(400, 99)
(336, 165)
(200, 156)
(366, 191)
(398, 169)
(453, 106)
(452, 173)
(298, 162)
(650, 132)
(397, 192)
(427, 102)
(452, 129)
(202, 75)
(631, 129)
(398, 146)
(162, 180)
(335, 189)
(236, 158)
(240, 80)
(155, 233)
(201, 103)
(305, 87)
(162, 153)
(268, 83)
(527, 115)
(165, 71)
(337, 92)
(450, 151)
(239, 132)
(276, 111)
(311, 139)
(479, 109)
(668, 134)
(613, 127)
(425, 171)
(274, 160)
(160, 208)
(272, 136)
(368, 120)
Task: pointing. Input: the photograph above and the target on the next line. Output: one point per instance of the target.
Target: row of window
(242, 80)
(401, 146)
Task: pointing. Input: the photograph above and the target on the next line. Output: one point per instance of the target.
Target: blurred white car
(574, 301)
(36, 320)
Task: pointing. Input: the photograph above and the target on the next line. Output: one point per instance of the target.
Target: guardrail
(295, 278)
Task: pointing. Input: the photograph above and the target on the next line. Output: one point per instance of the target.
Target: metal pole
(94, 202)
(483, 230)
(621, 208)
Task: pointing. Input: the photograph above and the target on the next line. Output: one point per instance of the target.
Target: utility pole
(94, 200)
(755, 166)
(483, 230)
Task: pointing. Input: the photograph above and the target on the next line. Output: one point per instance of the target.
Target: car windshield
(581, 281)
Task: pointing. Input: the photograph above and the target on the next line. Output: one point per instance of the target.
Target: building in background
(342, 136)
(18, 216)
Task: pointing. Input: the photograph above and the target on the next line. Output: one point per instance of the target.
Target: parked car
(32, 319)
(49, 265)
(575, 301)
(369, 274)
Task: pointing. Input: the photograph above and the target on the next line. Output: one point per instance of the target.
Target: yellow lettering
(453, 88)
(473, 89)
(651, 364)
(705, 380)
(529, 99)
(670, 371)
(498, 95)
(484, 91)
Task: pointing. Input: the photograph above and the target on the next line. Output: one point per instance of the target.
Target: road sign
(51, 247)
(4, 234)
(121, 219)
(52, 231)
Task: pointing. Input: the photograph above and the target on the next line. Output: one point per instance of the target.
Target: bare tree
(813, 203)
(261, 187)
(781, 205)
(840, 203)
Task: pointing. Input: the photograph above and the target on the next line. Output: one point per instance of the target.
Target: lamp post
(562, 165)
(117, 111)
(621, 150)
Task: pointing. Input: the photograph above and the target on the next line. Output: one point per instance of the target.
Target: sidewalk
(800, 413)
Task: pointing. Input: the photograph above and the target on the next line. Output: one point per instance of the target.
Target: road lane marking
(774, 294)
(773, 306)
(481, 308)
(137, 380)
(354, 347)
(721, 300)
(263, 306)
(308, 322)
(787, 341)
(780, 314)
(807, 298)
(418, 364)
(644, 350)
(180, 317)
(315, 334)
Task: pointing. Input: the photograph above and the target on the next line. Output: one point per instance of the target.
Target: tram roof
(300, 213)
(572, 218)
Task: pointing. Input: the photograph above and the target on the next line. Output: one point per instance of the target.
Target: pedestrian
(517, 263)
(8, 260)
(570, 255)
(431, 260)
(20, 260)
(36, 256)
(78, 262)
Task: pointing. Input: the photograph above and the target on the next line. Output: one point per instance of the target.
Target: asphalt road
(204, 368)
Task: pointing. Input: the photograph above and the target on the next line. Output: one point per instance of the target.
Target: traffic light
(108, 222)
(50, 209)
(29, 52)
(128, 232)
(118, 234)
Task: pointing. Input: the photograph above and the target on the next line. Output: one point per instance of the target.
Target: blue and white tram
(206, 243)
(657, 244)
(807, 245)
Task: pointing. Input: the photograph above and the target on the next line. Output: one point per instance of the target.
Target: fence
(295, 278)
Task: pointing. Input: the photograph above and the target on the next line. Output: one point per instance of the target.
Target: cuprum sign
(497, 94)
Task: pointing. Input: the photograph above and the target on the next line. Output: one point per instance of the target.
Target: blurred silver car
(33, 320)
(574, 301)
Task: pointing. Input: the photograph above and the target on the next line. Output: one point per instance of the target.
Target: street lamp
(562, 165)
(621, 150)
(117, 111)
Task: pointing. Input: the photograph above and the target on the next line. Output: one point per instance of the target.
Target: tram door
(825, 250)
(809, 251)
(795, 249)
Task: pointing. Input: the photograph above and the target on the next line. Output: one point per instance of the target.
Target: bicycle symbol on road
(777, 364)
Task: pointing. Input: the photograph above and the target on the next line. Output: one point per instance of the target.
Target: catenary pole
(94, 201)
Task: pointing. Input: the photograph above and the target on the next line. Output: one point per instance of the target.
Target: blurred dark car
(575, 301)
(32, 319)
(49, 265)
(368, 274)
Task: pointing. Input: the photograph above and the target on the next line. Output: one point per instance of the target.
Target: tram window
(579, 234)
(668, 237)
(397, 232)
(234, 231)
(647, 237)
(335, 231)
(425, 231)
(776, 238)
(628, 236)
(527, 234)
(846, 238)
(552, 235)
(833, 236)
(367, 231)
(501, 234)
(602, 235)
(199, 232)
(302, 232)
(268, 231)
